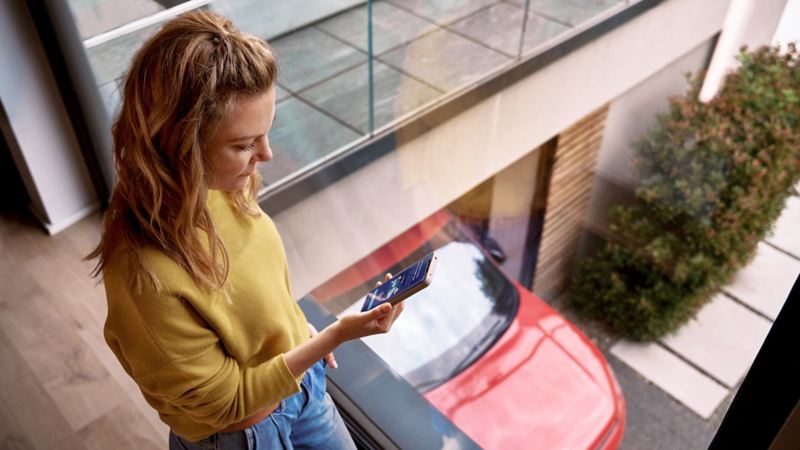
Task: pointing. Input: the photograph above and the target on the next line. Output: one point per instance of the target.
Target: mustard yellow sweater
(202, 362)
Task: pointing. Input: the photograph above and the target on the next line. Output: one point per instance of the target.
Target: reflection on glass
(423, 51)
(499, 28)
(98, 16)
(448, 325)
(110, 60)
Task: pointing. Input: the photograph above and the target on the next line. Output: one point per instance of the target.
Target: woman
(200, 313)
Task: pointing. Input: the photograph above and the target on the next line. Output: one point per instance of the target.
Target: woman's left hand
(329, 357)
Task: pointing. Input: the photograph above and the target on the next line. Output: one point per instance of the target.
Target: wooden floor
(60, 386)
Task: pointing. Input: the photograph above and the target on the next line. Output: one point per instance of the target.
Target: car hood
(531, 390)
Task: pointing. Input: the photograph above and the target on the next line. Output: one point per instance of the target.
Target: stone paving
(700, 364)
(654, 420)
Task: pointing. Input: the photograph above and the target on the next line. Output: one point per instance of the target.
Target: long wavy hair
(181, 84)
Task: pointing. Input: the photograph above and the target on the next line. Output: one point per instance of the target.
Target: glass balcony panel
(332, 94)
(300, 136)
(110, 60)
(346, 96)
(568, 12)
(445, 60)
(272, 18)
(499, 27)
(391, 25)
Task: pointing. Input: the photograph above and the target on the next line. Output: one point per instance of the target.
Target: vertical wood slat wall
(567, 202)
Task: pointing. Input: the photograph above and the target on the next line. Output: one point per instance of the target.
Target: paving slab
(569, 12)
(391, 27)
(786, 233)
(269, 19)
(445, 60)
(347, 96)
(280, 92)
(766, 282)
(443, 11)
(98, 16)
(309, 56)
(676, 377)
(723, 339)
(110, 60)
(500, 27)
(301, 135)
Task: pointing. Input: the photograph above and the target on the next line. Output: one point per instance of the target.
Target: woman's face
(241, 142)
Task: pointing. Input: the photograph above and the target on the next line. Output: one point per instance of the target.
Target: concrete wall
(338, 225)
(789, 27)
(37, 127)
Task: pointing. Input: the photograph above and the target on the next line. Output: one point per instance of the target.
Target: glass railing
(350, 70)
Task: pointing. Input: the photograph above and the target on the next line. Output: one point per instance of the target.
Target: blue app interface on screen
(400, 283)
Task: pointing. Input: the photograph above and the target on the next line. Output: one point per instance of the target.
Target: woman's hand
(352, 326)
(375, 321)
(329, 358)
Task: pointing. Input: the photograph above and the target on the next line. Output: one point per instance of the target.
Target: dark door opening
(14, 195)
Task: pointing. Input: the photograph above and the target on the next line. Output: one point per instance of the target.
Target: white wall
(789, 25)
(341, 223)
(763, 22)
(630, 116)
(748, 22)
(46, 149)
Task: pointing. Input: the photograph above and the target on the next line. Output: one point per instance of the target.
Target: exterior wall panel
(567, 202)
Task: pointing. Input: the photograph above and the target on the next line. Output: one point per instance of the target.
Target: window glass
(334, 91)
(515, 191)
(94, 17)
(450, 323)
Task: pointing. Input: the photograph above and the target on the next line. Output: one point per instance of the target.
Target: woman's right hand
(352, 326)
(375, 321)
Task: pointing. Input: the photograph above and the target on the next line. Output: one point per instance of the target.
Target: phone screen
(399, 284)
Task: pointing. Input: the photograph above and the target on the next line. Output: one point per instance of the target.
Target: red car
(495, 359)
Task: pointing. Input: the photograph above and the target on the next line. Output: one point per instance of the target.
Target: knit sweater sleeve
(178, 359)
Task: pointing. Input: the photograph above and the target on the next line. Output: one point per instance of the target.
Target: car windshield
(450, 324)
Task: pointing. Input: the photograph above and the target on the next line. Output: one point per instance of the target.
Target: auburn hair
(181, 84)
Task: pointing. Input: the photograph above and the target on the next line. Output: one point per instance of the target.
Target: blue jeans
(306, 420)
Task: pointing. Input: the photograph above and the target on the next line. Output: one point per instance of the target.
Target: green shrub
(713, 178)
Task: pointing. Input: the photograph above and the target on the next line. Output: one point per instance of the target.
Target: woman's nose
(265, 154)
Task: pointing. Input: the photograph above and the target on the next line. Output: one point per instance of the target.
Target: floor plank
(123, 427)
(11, 435)
(47, 341)
(37, 422)
(62, 387)
(94, 340)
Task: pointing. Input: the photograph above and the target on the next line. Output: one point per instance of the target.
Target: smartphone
(411, 280)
